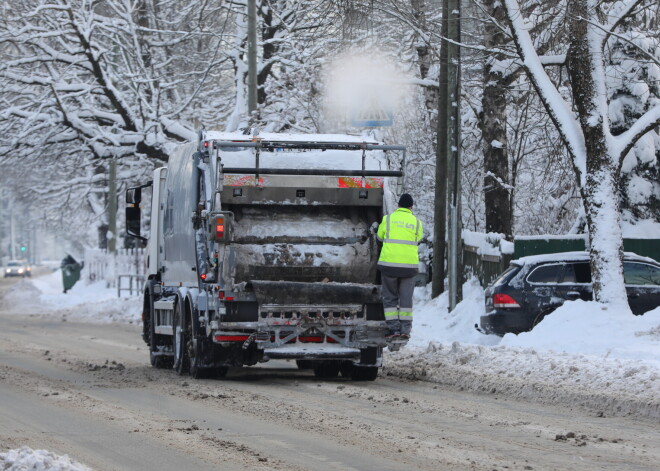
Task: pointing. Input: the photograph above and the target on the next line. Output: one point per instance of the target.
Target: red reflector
(311, 339)
(230, 298)
(504, 300)
(206, 143)
(203, 276)
(231, 338)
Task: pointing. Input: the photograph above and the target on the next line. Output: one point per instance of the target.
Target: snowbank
(93, 302)
(25, 458)
(591, 328)
(583, 354)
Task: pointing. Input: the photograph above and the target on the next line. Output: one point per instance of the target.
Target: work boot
(392, 336)
(404, 336)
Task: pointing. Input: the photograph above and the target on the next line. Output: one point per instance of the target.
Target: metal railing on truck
(274, 145)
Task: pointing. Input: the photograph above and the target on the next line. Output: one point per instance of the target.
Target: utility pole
(440, 208)
(112, 205)
(455, 246)
(252, 55)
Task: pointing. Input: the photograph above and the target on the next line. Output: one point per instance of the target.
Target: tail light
(504, 300)
(220, 225)
(219, 228)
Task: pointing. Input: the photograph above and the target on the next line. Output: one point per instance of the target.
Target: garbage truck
(264, 247)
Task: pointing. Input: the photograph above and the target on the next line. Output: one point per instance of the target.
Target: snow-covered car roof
(572, 257)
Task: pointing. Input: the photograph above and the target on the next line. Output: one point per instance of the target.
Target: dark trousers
(397, 295)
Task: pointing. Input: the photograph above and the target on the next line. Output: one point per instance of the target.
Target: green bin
(70, 272)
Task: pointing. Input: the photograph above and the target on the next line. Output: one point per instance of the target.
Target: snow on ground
(24, 458)
(94, 302)
(582, 354)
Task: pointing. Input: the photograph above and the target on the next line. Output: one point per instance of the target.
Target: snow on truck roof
(571, 256)
(330, 159)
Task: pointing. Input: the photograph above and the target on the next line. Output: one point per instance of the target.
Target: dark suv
(532, 287)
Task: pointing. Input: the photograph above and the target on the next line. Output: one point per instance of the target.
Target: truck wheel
(327, 370)
(180, 342)
(219, 372)
(195, 356)
(346, 368)
(364, 373)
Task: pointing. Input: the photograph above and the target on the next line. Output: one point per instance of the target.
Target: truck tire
(346, 368)
(327, 370)
(180, 342)
(195, 352)
(219, 372)
(156, 360)
(364, 373)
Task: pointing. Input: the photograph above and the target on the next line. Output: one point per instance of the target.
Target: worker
(400, 233)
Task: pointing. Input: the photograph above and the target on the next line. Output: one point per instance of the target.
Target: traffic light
(23, 248)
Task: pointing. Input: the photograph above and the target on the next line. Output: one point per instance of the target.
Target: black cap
(406, 201)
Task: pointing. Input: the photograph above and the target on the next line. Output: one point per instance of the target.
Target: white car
(17, 268)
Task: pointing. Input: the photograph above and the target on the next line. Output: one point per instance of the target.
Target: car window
(13, 264)
(577, 273)
(503, 277)
(641, 274)
(546, 274)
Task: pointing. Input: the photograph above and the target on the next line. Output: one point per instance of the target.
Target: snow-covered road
(76, 362)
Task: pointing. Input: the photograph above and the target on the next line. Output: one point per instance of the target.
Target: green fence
(485, 267)
(535, 245)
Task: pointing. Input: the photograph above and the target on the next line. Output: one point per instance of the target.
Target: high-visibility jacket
(400, 233)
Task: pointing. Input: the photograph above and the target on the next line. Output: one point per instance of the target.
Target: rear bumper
(310, 351)
(334, 339)
(505, 322)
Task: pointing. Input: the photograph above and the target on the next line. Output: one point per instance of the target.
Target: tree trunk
(493, 130)
(269, 48)
(599, 188)
(425, 58)
(440, 209)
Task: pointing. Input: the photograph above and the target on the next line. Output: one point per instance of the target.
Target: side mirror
(134, 195)
(133, 217)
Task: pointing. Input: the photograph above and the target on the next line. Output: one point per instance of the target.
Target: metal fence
(124, 270)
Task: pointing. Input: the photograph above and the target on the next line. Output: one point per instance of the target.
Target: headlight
(20, 270)
(8, 270)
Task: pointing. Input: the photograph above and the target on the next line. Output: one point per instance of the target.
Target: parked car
(17, 268)
(532, 287)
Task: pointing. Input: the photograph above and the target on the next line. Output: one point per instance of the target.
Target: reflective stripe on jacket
(400, 232)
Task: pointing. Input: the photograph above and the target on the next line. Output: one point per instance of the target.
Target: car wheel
(539, 317)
